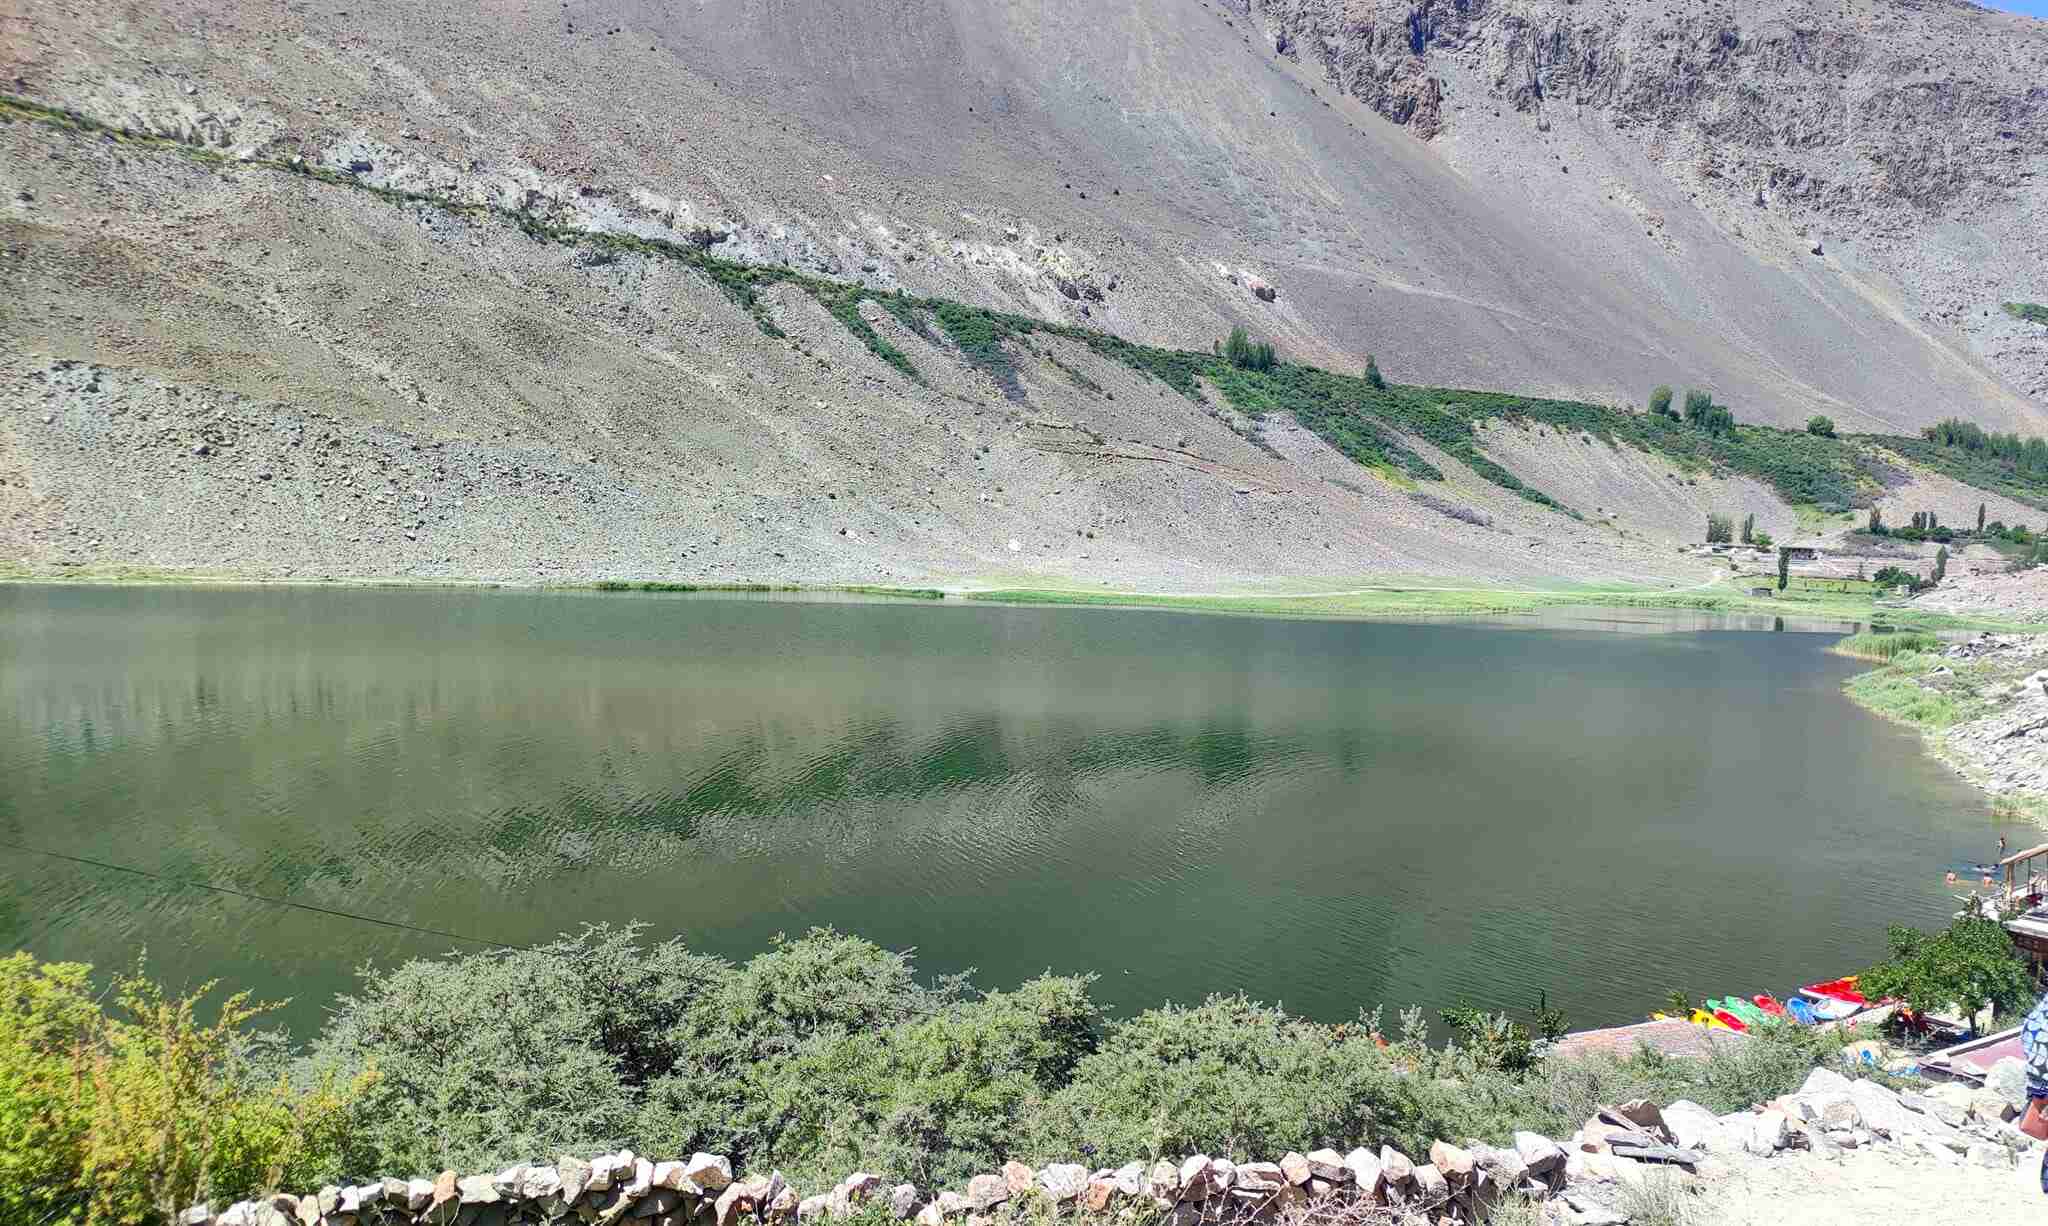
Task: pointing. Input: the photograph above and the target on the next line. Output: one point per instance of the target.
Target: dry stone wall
(1455, 1183)
(1581, 1180)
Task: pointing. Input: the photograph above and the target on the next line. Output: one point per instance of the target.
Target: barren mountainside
(1913, 133)
(227, 352)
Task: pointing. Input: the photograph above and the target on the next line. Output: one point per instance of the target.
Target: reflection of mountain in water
(1330, 814)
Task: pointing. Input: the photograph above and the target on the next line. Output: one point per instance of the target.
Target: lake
(1327, 814)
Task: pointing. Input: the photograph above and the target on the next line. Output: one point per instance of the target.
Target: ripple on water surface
(1326, 814)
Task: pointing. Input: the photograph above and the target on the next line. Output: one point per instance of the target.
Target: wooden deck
(1971, 1060)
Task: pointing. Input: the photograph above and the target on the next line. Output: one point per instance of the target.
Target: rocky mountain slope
(214, 366)
(1904, 141)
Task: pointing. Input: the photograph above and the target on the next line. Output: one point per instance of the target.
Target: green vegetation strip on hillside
(1397, 601)
(824, 1055)
(2032, 312)
(1357, 415)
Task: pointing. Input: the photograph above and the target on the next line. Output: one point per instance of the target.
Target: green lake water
(1331, 815)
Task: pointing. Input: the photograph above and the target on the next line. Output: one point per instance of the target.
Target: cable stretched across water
(265, 898)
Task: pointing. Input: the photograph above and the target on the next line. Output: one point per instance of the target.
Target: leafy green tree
(1941, 564)
(1980, 517)
(1660, 401)
(1748, 528)
(1372, 373)
(1720, 529)
(1820, 425)
(1784, 567)
(1971, 963)
(1242, 351)
(1876, 522)
(1697, 405)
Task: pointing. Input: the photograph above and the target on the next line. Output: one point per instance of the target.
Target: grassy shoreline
(1937, 696)
(1390, 600)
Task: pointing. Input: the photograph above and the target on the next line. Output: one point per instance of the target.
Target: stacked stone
(1457, 1184)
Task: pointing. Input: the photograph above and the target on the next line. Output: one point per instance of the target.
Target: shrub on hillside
(482, 1058)
(1660, 402)
(1229, 1077)
(130, 1114)
(596, 1041)
(934, 1101)
(821, 1056)
(1720, 529)
(1241, 351)
(1820, 425)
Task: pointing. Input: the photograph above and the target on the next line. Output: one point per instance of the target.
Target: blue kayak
(1801, 1011)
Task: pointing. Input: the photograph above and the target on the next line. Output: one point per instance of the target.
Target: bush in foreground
(823, 1055)
(130, 1114)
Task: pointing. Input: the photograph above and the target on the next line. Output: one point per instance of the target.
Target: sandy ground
(1870, 1187)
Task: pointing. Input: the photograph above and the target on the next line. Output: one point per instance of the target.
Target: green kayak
(1746, 1010)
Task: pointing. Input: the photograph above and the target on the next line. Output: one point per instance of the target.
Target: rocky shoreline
(1593, 1178)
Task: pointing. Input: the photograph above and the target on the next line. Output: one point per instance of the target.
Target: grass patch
(858, 589)
(1886, 647)
(907, 593)
(2032, 312)
(659, 585)
(1660, 1199)
(1904, 691)
(1397, 600)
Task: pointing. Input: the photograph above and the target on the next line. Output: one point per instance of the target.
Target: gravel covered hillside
(1904, 144)
(214, 367)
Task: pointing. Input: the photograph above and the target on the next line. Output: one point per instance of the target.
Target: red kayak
(1769, 1004)
(1731, 1021)
(1837, 989)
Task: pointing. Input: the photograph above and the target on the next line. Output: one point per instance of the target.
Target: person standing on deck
(2034, 1041)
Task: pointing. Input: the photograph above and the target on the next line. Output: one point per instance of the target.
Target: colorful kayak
(1837, 989)
(1700, 1017)
(1801, 1011)
(1731, 1021)
(1827, 1010)
(1769, 1004)
(1749, 1013)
